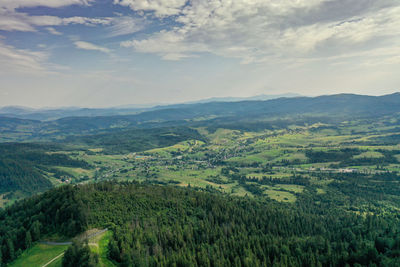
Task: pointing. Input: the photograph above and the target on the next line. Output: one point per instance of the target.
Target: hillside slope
(23, 167)
(164, 226)
(346, 105)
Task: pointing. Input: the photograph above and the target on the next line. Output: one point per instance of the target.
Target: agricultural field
(278, 164)
(50, 253)
(40, 255)
(136, 182)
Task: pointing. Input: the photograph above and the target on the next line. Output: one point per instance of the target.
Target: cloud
(21, 60)
(13, 4)
(53, 31)
(16, 21)
(262, 30)
(125, 25)
(12, 20)
(161, 8)
(90, 46)
(170, 45)
(87, 21)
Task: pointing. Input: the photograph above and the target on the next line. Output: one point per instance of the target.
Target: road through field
(68, 243)
(53, 259)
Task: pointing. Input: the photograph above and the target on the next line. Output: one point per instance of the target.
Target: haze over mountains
(44, 114)
(31, 126)
(299, 176)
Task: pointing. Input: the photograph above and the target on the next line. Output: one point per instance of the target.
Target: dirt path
(69, 243)
(53, 259)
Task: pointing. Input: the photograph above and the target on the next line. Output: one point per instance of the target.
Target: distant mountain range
(237, 99)
(94, 121)
(57, 113)
(47, 114)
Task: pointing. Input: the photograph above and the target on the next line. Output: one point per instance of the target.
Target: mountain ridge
(340, 105)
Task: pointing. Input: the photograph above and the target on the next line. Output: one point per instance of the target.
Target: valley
(252, 163)
(318, 186)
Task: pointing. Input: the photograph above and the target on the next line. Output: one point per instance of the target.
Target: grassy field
(264, 164)
(275, 154)
(99, 245)
(56, 263)
(281, 196)
(4, 202)
(190, 162)
(290, 187)
(39, 255)
(369, 154)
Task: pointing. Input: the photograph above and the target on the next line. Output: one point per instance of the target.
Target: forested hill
(347, 105)
(343, 104)
(169, 226)
(23, 167)
(127, 141)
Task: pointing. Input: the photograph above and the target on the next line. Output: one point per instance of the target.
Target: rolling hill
(342, 105)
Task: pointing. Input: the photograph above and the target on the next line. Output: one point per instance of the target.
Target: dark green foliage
(167, 226)
(138, 139)
(332, 155)
(9, 250)
(79, 254)
(345, 157)
(22, 166)
(15, 175)
(163, 226)
(393, 139)
(39, 154)
(28, 239)
(35, 229)
(56, 211)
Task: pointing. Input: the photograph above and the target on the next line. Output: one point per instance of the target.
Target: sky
(99, 53)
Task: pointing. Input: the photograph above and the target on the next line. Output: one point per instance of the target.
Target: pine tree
(114, 252)
(10, 250)
(28, 240)
(79, 254)
(35, 230)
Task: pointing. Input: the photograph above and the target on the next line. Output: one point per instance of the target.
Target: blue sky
(109, 53)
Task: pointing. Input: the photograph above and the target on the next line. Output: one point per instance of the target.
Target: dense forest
(18, 176)
(170, 226)
(22, 166)
(137, 139)
(253, 183)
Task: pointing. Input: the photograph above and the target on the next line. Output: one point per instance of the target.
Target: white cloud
(160, 8)
(16, 21)
(21, 60)
(124, 25)
(90, 46)
(12, 20)
(13, 4)
(260, 30)
(53, 31)
(168, 44)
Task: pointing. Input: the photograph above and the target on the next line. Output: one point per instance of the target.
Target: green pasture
(39, 255)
